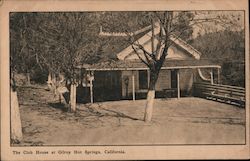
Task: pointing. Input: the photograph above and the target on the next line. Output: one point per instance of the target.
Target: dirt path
(184, 121)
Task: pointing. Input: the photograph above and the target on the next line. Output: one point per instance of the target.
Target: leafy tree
(23, 55)
(226, 48)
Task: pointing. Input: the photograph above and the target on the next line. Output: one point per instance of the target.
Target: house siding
(174, 53)
(164, 80)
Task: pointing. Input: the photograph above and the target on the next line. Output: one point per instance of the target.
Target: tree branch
(146, 63)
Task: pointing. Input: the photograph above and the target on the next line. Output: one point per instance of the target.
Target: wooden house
(126, 77)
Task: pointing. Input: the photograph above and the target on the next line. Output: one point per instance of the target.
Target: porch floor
(185, 121)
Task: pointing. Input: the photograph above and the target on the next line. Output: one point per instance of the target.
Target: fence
(223, 93)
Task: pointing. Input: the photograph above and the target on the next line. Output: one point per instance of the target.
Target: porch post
(218, 75)
(133, 85)
(178, 84)
(148, 76)
(211, 76)
(91, 86)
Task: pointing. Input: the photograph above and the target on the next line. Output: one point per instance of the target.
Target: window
(173, 78)
(143, 79)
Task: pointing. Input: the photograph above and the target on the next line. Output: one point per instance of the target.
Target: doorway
(107, 86)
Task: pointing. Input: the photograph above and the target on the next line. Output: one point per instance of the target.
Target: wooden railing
(223, 93)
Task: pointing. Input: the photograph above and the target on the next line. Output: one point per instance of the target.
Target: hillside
(227, 48)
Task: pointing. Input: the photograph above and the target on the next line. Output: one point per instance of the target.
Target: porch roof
(137, 65)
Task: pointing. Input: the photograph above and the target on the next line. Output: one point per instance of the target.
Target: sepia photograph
(131, 80)
(127, 78)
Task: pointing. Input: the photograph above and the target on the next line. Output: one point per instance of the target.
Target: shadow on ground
(187, 120)
(58, 105)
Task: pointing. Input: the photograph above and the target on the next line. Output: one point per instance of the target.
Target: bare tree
(154, 59)
(170, 28)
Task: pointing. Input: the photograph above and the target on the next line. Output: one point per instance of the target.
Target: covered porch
(114, 81)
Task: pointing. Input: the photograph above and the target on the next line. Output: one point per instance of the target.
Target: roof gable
(186, 51)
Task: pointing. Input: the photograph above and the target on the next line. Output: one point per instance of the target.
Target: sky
(232, 19)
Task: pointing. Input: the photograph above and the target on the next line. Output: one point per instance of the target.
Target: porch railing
(218, 92)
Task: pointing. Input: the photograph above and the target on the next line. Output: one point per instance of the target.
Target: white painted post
(133, 85)
(91, 91)
(178, 84)
(211, 76)
(91, 87)
(218, 75)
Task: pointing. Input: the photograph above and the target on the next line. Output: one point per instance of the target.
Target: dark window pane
(173, 79)
(143, 79)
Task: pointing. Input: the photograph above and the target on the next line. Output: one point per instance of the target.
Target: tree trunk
(28, 78)
(73, 98)
(150, 96)
(54, 86)
(149, 106)
(16, 128)
(53, 80)
(49, 82)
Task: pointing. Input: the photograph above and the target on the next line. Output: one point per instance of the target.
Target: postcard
(124, 80)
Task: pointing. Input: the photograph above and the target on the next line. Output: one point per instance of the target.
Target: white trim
(190, 49)
(144, 68)
(211, 77)
(178, 85)
(133, 85)
(147, 37)
(202, 76)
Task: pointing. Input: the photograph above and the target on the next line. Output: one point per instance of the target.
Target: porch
(130, 82)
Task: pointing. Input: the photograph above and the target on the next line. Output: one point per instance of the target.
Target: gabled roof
(184, 45)
(147, 38)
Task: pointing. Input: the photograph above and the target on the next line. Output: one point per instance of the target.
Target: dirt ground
(184, 121)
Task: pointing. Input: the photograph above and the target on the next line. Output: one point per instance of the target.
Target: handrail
(221, 85)
(220, 92)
